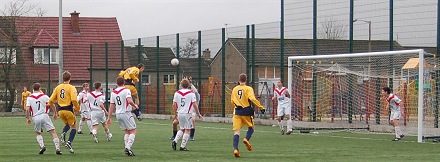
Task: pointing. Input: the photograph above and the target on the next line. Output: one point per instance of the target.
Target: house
(267, 54)
(38, 41)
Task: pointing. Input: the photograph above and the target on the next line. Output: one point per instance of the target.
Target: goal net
(344, 91)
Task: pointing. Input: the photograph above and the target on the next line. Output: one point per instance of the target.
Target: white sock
(89, 123)
(130, 141)
(40, 141)
(126, 139)
(396, 132)
(107, 132)
(178, 136)
(289, 125)
(81, 123)
(184, 140)
(56, 141)
(280, 125)
(94, 131)
(399, 131)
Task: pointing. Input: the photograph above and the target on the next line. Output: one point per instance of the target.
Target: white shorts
(395, 115)
(98, 117)
(185, 121)
(283, 110)
(42, 121)
(126, 121)
(85, 114)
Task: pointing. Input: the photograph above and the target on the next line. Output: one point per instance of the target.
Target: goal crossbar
(420, 53)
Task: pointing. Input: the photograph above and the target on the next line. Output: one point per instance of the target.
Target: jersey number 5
(182, 102)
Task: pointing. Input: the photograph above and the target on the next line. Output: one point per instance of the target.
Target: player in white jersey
(122, 103)
(184, 100)
(97, 111)
(282, 96)
(394, 105)
(85, 109)
(36, 107)
(193, 113)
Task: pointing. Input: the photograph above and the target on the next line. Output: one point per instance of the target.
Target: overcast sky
(414, 21)
(141, 18)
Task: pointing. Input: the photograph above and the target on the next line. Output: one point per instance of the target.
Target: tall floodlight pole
(60, 43)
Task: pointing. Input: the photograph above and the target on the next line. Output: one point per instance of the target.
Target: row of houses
(38, 39)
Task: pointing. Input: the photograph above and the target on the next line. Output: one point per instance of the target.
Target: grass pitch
(213, 143)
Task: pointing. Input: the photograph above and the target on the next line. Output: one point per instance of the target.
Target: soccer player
(36, 107)
(282, 96)
(66, 97)
(96, 102)
(394, 105)
(24, 97)
(121, 102)
(242, 96)
(131, 76)
(193, 113)
(184, 100)
(85, 109)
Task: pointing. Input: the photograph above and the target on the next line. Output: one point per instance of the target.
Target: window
(145, 79)
(5, 54)
(41, 55)
(168, 79)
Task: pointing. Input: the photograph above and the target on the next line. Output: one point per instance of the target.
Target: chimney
(74, 21)
(206, 54)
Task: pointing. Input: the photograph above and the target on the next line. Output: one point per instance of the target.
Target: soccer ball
(174, 62)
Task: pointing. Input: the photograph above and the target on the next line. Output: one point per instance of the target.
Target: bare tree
(332, 29)
(11, 55)
(189, 49)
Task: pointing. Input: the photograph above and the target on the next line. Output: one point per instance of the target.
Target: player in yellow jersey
(65, 96)
(24, 97)
(131, 77)
(242, 96)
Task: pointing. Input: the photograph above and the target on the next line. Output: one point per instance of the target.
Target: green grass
(214, 143)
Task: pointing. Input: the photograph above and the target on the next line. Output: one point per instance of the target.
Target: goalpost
(345, 89)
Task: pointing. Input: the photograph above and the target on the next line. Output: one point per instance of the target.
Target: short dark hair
(282, 82)
(184, 83)
(387, 89)
(36, 86)
(242, 78)
(97, 85)
(85, 84)
(66, 76)
(140, 65)
(120, 81)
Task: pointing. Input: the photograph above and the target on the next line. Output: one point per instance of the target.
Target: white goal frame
(421, 53)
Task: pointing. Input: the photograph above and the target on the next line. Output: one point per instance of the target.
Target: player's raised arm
(253, 99)
(73, 99)
(134, 75)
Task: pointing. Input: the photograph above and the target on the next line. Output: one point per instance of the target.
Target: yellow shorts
(67, 117)
(132, 89)
(238, 121)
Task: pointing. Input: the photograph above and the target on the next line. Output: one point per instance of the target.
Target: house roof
(149, 58)
(42, 31)
(190, 67)
(267, 51)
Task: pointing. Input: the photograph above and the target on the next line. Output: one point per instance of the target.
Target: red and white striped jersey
(119, 97)
(394, 102)
(37, 104)
(184, 98)
(281, 94)
(94, 99)
(82, 99)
